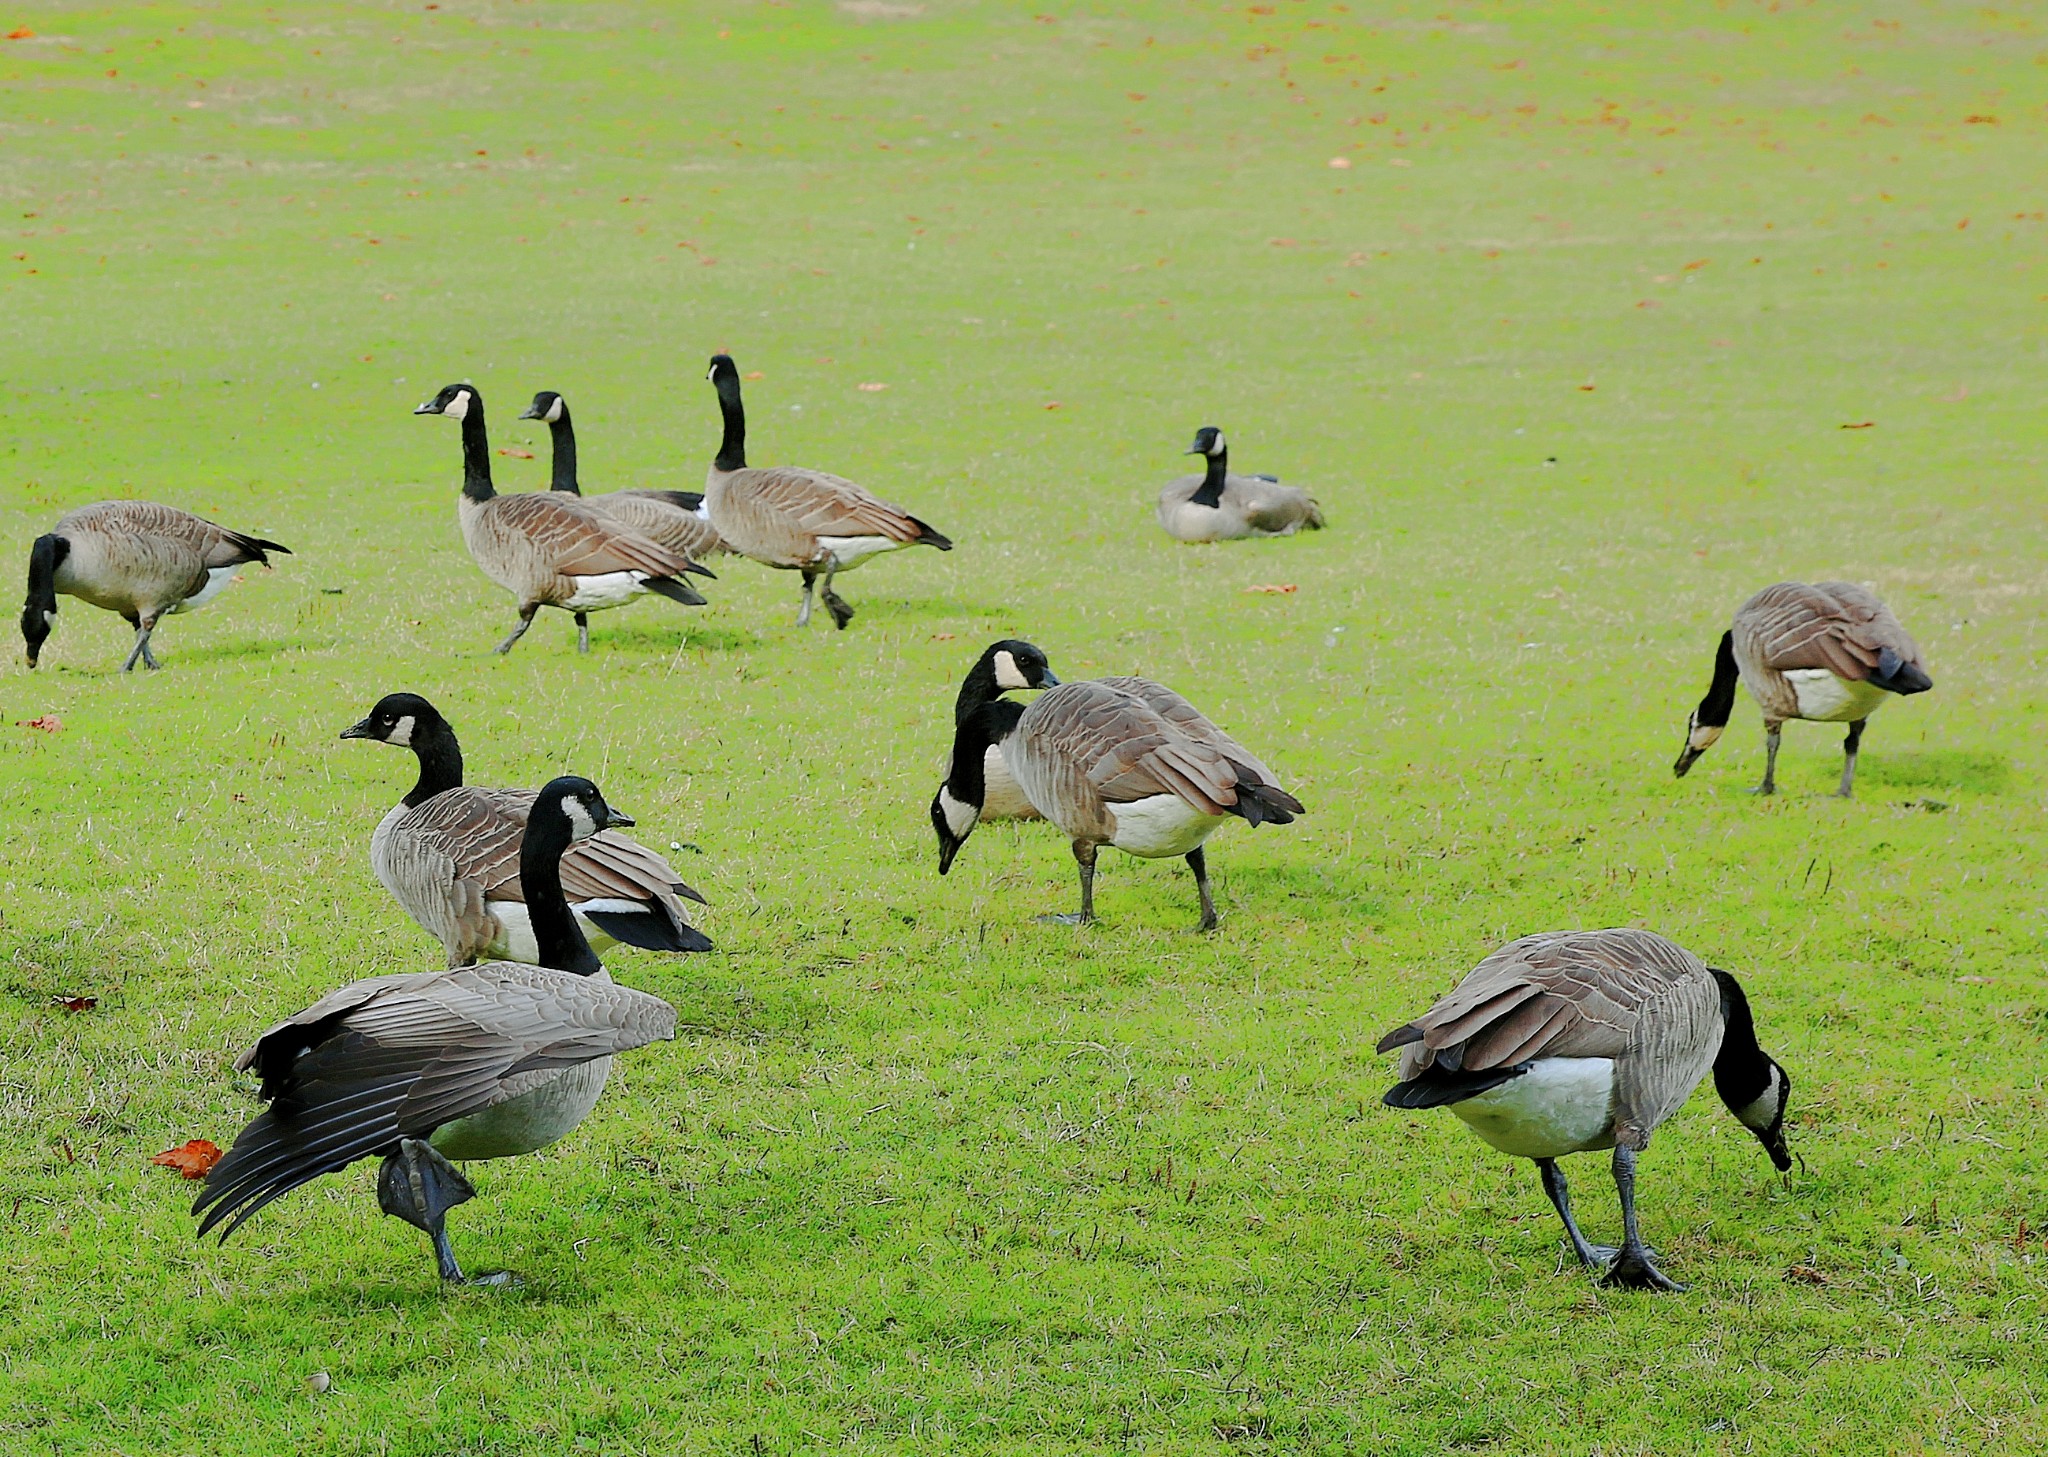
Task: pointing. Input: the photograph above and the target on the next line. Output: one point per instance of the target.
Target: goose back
(792, 517)
(1631, 996)
(1790, 637)
(549, 547)
(1249, 506)
(140, 558)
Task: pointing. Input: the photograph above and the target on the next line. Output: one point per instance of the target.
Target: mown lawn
(1569, 351)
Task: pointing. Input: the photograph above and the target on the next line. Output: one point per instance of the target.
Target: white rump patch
(848, 552)
(1560, 1105)
(606, 590)
(1824, 698)
(1162, 825)
(217, 579)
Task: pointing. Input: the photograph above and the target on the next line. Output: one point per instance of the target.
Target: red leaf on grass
(515, 454)
(20, 32)
(76, 1004)
(49, 723)
(191, 1159)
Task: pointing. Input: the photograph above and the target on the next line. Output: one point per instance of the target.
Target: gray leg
(1633, 1267)
(1849, 758)
(1199, 863)
(526, 612)
(1770, 784)
(140, 653)
(1084, 856)
(583, 632)
(419, 1186)
(836, 604)
(803, 616)
(1590, 1255)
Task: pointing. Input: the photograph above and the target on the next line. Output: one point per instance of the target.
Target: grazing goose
(1219, 506)
(1829, 652)
(548, 549)
(1570, 1041)
(674, 519)
(136, 558)
(450, 855)
(1006, 665)
(1112, 761)
(795, 519)
(476, 1062)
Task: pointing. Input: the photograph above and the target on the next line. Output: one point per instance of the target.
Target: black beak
(618, 819)
(531, 412)
(361, 730)
(431, 407)
(1686, 758)
(1774, 1145)
(1049, 679)
(948, 848)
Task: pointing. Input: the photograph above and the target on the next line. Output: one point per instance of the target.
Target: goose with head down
(1571, 1041)
(1829, 652)
(1111, 761)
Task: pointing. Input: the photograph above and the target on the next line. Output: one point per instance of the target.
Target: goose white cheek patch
(554, 411)
(1008, 674)
(580, 821)
(960, 815)
(458, 408)
(401, 733)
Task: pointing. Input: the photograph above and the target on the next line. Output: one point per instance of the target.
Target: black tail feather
(257, 548)
(650, 930)
(675, 591)
(688, 500)
(1399, 1037)
(1895, 675)
(1261, 804)
(1437, 1088)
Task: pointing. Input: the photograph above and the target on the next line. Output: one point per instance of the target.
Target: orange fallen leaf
(76, 1004)
(20, 32)
(753, 374)
(1697, 264)
(872, 387)
(1588, 388)
(1861, 425)
(1276, 589)
(49, 723)
(1052, 404)
(191, 1159)
(515, 454)
(1980, 120)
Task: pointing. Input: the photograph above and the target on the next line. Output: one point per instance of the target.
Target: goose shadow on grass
(664, 638)
(1966, 770)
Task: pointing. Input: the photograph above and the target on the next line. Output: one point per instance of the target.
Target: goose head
(402, 719)
(454, 401)
(547, 405)
(575, 804)
(1014, 663)
(954, 819)
(1208, 441)
(722, 370)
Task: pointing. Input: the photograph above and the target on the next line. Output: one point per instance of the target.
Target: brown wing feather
(823, 504)
(1838, 626)
(577, 538)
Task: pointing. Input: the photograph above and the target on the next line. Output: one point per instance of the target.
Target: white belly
(534, 1119)
(515, 940)
(848, 552)
(217, 579)
(1161, 826)
(1560, 1105)
(1002, 798)
(608, 589)
(1825, 698)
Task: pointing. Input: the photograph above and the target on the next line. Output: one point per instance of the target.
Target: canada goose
(475, 1062)
(136, 558)
(549, 549)
(1570, 1041)
(1112, 761)
(795, 519)
(674, 519)
(450, 855)
(1006, 665)
(1829, 652)
(1219, 506)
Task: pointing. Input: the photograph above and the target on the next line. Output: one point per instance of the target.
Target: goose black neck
(732, 450)
(559, 940)
(440, 759)
(1742, 1071)
(977, 690)
(1211, 492)
(476, 454)
(1715, 708)
(564, 433)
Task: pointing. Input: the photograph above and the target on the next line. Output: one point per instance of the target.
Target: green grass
(1566, 353)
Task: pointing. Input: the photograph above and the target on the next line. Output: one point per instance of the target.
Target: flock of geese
(1558, 1043)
